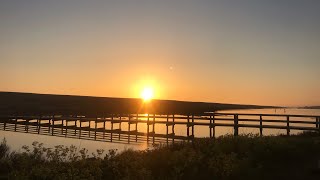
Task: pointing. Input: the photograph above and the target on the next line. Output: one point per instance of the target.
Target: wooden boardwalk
(124, 128)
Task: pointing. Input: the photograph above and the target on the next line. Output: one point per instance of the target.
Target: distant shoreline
(31, 103)
(309, 107)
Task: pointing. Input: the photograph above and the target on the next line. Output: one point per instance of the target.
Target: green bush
(227, 157)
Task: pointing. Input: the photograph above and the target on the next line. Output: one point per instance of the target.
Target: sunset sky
(240, 51)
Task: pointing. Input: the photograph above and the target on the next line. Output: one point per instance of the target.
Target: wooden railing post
(80, 123)
(120, 118)
(104, 127)
(210, 127)
(137, 127)
(192, 128)
(260, 125)
(167, 129)
(236, 128)
(111, 135)
(52, 129)
(27, 125)
(75, 126)
(49, 125)
(288, 126)
(318, 122)
(213, 126)
(66, 128)
(39, 124)
(62, 126)
(188, 127)
(15, 124)
(129, 124)
(95, 128)
(153, 128)
(89, 128)
(148, 129)
(173, 134)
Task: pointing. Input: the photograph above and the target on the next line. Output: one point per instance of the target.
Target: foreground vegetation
(227, 157)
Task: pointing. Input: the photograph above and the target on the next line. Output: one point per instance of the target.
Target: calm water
(16, 140)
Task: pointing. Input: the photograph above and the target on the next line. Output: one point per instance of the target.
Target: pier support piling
(260, 128)
(52, 129)
(236, 127)
(288, 126)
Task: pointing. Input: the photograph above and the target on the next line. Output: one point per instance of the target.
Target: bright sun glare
(147, 93)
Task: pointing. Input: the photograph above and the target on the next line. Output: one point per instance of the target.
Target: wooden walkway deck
(123, 128)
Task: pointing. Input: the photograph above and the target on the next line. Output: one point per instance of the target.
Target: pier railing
(126, 128)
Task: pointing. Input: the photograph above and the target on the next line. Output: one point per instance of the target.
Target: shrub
(227, 157)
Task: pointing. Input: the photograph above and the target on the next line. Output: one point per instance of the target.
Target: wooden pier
(131, 120)
(124, 128)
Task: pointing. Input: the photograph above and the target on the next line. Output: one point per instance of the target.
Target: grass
(227, 157)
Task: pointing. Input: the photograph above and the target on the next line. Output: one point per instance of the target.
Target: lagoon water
(17, 140)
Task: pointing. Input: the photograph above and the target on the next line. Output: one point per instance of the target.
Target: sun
(147, 93)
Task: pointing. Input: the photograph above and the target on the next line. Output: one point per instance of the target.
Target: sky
(227, 51)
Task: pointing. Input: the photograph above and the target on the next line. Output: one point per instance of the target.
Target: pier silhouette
(118, 119)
